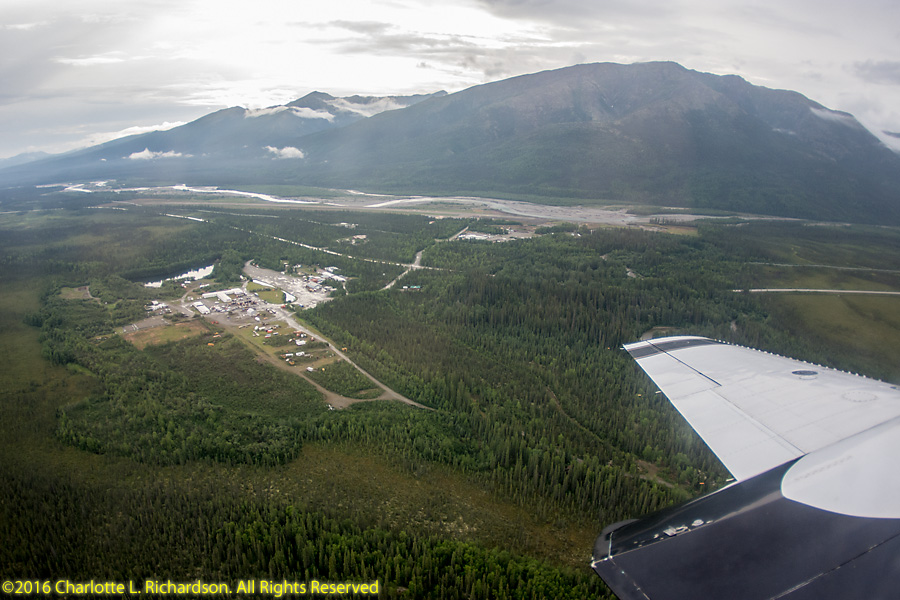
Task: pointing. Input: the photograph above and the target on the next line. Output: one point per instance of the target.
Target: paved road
(812, 291)
(817, 266)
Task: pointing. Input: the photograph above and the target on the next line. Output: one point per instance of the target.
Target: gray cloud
(883, 71)
(365, 27)
(54, 56)
(442, 52)
(458, 55)
(96, 66)
(569, 12)
(780, 17)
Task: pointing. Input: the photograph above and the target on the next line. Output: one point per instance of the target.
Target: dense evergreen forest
(191, 458)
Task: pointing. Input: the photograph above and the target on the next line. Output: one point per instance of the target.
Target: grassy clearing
(31, 389)
(866, 328)
(169, 333)
(256, 287)
(856, 246)
(272, 296)
(267, 293)
(825, 278)
(857, 332)
(79, 293)
(680, 230)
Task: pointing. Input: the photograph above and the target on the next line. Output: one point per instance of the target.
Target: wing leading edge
(814, 513)
(757, 410)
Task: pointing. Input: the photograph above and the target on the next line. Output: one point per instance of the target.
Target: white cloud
(146, 154)
(365, 109)
(286, 152)
(22, 26)
(891, 140)
(309, 113)
(106, 58)
(302, 112)
(101, 138)
(836, 116)
(253, 113)
(90, 61)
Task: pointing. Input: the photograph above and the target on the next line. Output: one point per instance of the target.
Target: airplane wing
(815, 510)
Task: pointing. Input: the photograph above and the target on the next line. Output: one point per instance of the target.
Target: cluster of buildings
(224, 296)
(235, 302)
(319, 282)
(356, 239)
(156, 307)
(298, 338)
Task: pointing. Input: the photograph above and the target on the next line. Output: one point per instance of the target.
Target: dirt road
(388, 393)
(332, 398)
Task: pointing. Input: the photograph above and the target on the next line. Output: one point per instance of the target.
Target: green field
(828, 278)
(272, 296)
(267, 293)
(861, 333)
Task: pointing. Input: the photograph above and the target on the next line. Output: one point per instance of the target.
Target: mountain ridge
(654, 133)
(637, 133)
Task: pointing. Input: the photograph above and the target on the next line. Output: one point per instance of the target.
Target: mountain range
(651, 133)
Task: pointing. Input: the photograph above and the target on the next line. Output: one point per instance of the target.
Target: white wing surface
(757, 410)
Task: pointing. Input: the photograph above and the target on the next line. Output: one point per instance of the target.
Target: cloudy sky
(80, 72)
